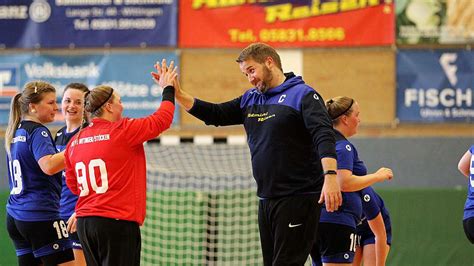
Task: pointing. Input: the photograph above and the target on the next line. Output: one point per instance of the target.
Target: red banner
(307, 23)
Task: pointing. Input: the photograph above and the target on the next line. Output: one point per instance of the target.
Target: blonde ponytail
(13, 121)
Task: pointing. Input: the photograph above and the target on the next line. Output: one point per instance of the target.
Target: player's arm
(161, 120)
(222, 114)
(52, 163)
(464, 164)
(44, 151)
(377, 226)
(184, 99)
(137, 131)
(350, 182)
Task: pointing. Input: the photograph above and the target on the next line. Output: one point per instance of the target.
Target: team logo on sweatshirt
(366, 197)
(282, 98)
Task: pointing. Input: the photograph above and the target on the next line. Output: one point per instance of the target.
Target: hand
(385, 173)
(331, 193)
(71, 223)
(177, 87)
(165, 75)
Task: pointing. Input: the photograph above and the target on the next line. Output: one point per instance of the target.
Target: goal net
(201, 206)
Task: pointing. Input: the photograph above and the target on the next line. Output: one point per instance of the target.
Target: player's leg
(359, 252)
(110, 241)
(123, 253)
(370, 255)
(295, 221)
(367, 243)
(358, 256)
(79, 259)
(265, 230)
(86, 232)
(369, 258)
(23, 248)
(315, 254)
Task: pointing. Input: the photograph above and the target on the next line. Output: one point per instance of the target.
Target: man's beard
(263, 86)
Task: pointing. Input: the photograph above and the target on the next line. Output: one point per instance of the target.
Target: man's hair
(259, 52)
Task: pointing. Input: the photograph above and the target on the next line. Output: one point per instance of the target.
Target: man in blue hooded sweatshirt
(292, 144)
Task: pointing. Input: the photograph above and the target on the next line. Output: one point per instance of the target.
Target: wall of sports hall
(427, 194)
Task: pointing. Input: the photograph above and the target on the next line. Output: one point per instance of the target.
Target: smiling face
(259, 75)
(45, 110)
(72, 105)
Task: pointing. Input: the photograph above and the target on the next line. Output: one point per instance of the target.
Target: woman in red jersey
(106, 167)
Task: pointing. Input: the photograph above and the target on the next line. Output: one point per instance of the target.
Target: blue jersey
(351, 210)
(288, 132)
(68, 199)
(34, 195)
(372, 205)
(469, 206)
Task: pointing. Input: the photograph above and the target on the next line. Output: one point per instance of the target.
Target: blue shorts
(74, 238)
(367, 237)
(336, 244)
(47, 240)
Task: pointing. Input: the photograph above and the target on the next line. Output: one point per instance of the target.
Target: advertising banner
(435, 86)
(87, 23)
(435, 21)
(129, 74)
(301, 23)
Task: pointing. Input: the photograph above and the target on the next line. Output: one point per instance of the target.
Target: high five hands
(165, 75)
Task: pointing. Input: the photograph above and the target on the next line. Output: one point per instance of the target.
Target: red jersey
(106, 165)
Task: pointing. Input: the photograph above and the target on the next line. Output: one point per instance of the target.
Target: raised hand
(165, 75)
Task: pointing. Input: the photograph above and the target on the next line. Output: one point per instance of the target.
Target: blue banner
(127, 73)
(87, 23)
(435, 86)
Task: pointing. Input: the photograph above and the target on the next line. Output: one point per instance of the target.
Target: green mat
(7, 251)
